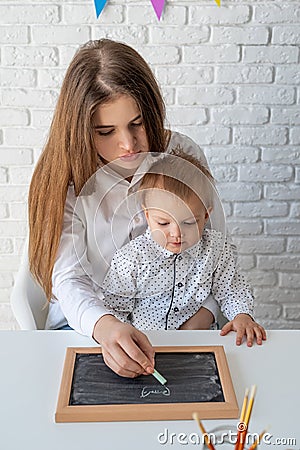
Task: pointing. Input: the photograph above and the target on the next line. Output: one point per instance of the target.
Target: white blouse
(155, 289)
(97, 223)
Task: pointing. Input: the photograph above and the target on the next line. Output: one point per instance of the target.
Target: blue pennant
(99, 5)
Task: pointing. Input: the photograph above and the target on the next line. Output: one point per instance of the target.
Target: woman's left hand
(244, 325)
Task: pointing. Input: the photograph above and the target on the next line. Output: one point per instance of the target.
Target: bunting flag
(99, 5)
(158, 6)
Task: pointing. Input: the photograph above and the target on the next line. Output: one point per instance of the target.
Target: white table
(31, 365)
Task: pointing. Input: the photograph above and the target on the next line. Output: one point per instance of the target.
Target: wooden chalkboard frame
(144, 412)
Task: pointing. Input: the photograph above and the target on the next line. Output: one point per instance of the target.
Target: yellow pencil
(242, 417)
(207, 441)
(250, 405)
(257, 441)
(247, 417)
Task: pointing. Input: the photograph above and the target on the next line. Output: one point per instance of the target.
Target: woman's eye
(105, 133)
(190, 223)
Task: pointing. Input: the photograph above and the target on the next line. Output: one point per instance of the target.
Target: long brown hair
(100, 71)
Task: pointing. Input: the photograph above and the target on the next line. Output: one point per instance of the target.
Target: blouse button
(180, 285)
(176, 309)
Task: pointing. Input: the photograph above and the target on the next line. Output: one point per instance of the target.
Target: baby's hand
(243, 324)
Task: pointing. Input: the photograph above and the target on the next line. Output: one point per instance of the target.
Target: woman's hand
(126, 350)
(243, 324)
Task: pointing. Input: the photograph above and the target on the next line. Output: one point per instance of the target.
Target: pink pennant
(158, 6)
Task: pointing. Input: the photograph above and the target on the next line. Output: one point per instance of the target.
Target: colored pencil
(247, 418)
(242, 418)
(207, 440)
(250, 405)
(257, 441)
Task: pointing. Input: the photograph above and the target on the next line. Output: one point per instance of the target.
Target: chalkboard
(198, 380)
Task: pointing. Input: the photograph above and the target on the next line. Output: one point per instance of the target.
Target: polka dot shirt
(154, 289)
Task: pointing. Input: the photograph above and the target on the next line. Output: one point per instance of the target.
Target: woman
(110, 110)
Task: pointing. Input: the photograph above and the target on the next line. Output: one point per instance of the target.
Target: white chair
(28, 300)
(29, 303)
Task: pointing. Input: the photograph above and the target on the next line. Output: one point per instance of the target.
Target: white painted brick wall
(231, 80)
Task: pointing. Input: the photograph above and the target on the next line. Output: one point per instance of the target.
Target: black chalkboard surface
(198, 380)
(191, 377)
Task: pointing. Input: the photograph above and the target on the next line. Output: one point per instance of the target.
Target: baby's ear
(207, 212)
(145, 211)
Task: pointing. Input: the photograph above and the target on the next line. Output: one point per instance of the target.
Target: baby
(161, 279)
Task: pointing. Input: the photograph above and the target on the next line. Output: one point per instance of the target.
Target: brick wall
(230, 77)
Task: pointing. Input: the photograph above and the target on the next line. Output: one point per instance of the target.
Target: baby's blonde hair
(181, 174)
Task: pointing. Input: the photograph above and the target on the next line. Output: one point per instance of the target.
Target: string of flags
(158, 6)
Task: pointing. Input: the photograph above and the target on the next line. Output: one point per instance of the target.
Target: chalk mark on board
(157, 390)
